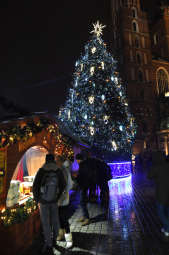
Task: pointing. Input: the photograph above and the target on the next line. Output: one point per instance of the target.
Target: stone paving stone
(133, 227)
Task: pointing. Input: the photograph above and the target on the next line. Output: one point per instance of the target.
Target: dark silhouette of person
(160, 173)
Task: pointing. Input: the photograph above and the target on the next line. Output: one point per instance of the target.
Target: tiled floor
(133, 227)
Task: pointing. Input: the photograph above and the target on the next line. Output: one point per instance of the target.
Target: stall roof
(16, 117)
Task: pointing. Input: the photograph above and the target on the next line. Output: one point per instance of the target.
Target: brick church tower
(132, 37)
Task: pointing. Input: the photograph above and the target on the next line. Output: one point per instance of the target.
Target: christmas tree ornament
(92, 70)
(92, 131)
(116, 80)
(68, 114)
(93, 50)
(112, 78)
(103, 97)
(91, 99)
(121, 128)
(105, 118)
(114, 145)
(102, 65)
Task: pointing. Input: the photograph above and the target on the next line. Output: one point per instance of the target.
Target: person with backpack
(63, 203)
(48, 186)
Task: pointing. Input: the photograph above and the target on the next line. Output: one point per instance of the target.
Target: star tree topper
(98, 28)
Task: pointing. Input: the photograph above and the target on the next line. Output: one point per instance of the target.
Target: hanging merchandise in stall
(33, 138)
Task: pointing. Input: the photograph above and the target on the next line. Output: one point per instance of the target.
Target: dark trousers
(163, 212)
(64, 218)
(104, 191)
(92, 192)
(83, 202)
(50, 221)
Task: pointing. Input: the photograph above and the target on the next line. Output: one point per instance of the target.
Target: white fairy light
(121, 128)
(114, 145)
(93, 50)
(92, 70)
(105, 118)
(91, 130)
(68, 114)
(112, 78)
(102, 64)
(91, 99)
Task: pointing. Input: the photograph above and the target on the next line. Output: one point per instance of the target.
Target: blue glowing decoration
(121, 128)
(120, 186)
(120, 169)
(103, 97)
(112, 78)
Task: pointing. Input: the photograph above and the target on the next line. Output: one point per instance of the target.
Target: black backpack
(49, 190)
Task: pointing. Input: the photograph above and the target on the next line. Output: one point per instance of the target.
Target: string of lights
(96, 109)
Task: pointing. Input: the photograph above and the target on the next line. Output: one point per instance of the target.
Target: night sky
(40, 42)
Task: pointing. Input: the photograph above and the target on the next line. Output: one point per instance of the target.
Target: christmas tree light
(97, 102)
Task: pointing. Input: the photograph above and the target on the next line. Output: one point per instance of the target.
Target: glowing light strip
(117, 180)
(119, 163)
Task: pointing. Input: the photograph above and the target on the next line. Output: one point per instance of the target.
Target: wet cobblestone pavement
(133, 227)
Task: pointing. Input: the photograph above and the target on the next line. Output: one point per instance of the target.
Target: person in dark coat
(92, 172)
(86, 180)
(160, 173)
(48, 210)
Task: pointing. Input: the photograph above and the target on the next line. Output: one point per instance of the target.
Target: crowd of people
(51, 187)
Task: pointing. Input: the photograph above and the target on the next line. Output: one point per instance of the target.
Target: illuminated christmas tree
(96, 110)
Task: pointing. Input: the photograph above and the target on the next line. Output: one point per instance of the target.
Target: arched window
(138, 56)
(135, 26)
(162, 81)
(140, 76)
(134, 13)
(156, 38)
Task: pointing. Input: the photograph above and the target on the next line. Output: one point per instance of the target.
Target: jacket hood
(158, 158)
(50, 166)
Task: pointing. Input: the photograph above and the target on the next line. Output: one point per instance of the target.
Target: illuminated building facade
(142, 48)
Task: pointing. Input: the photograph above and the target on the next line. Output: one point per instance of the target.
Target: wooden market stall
(19, 216)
